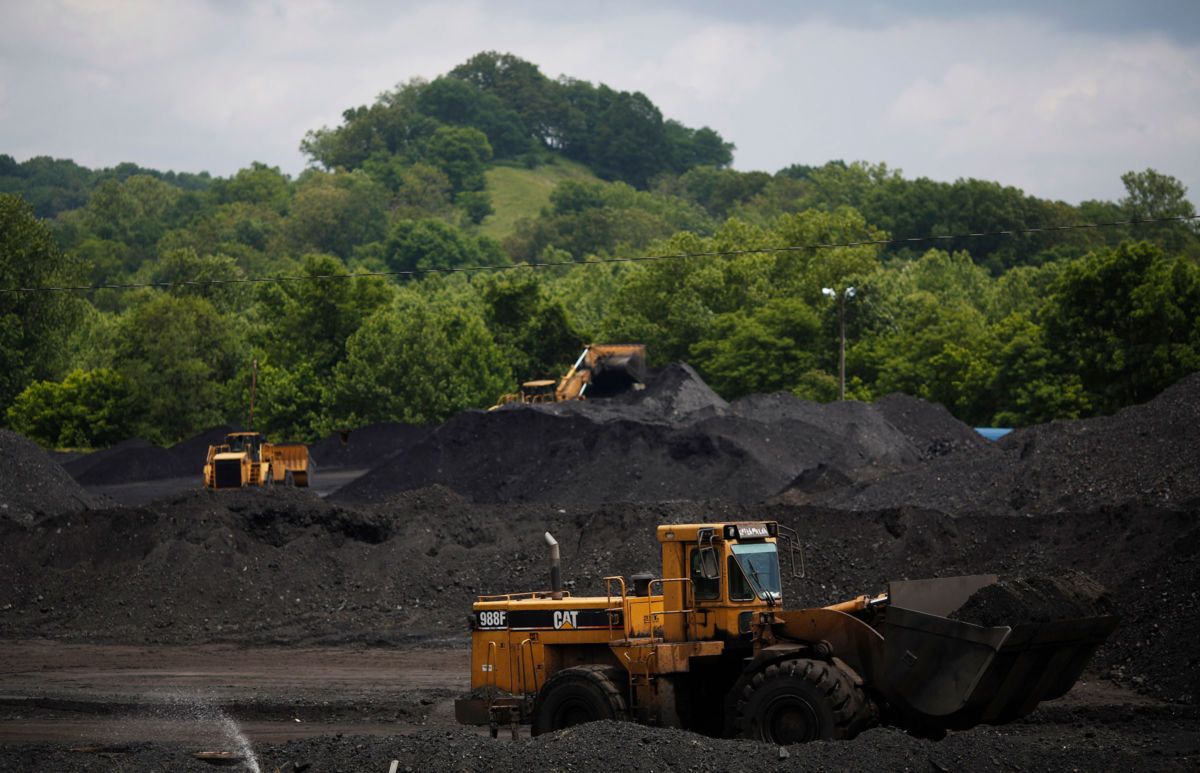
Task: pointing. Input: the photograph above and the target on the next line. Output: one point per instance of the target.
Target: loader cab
(540, 391)
(729, 571)
(245, 442)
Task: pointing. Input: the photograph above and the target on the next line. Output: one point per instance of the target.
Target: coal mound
(1146, 454)
(676, 439)
(32, 485)
(366, 446)
(137, 460)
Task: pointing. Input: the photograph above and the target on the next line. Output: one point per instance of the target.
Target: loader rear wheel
(577, 695)
(801, 700)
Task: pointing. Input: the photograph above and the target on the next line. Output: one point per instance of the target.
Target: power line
(597, 261)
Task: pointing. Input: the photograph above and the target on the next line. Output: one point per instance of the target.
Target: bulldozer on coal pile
(709, 647)
(601, 370)
(247, 459)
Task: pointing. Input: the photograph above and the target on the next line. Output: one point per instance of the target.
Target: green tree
(937, 352)
(476, 205)
(214, 277)
(423, 191)
(535, 332)
(432, 244)
(718, 190)
(671, 305)
(89, 409)
(258, 184)
(519, 85)
(420, 364)
(591, 217)
(456, 103)
(33, 325)
(769, 348)
(288, 404)
(1152, 195)
(463, 154)
(178, 354)
(1125, 320)
(629, 142)
(393, 124)
(51, 186)
(1030, 384)
(106, 260)
(691, 148)
(334, 212)
(134, 212)
(308, 321)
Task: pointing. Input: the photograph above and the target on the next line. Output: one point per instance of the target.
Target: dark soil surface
(1102, 512)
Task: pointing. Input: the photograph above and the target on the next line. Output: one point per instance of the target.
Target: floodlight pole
(841, 298)
(842, 348)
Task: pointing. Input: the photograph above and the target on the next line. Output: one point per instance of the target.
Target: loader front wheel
(577, 695)
(801, 700)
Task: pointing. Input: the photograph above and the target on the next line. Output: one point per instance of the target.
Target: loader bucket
(615, 369)
(952, 675)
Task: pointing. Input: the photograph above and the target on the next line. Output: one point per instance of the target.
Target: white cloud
(1040, 123)
(715, 65)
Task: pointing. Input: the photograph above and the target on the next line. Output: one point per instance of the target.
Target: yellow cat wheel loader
(708, 646)
(247, 459)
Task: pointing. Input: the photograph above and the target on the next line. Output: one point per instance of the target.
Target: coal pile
(368, 446)
(674, 440)
(32, 485)
(1144, 455)
(137, 460)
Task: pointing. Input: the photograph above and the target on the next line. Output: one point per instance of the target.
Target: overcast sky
(1058, 99)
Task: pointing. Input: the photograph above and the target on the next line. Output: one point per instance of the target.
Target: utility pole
(253, 388)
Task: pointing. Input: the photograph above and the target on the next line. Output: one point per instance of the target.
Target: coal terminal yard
(149, 623)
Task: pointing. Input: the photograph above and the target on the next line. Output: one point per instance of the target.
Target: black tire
(288, 480)
(577, 695)
(801, 700)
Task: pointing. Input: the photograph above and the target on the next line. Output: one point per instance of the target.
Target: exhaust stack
(555, 570)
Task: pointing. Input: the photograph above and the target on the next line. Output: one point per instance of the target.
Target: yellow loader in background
(247, 459)
(601, 370)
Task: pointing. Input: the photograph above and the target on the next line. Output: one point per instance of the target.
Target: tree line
(1003, 330)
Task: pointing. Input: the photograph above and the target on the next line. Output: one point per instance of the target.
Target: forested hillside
(495, 166)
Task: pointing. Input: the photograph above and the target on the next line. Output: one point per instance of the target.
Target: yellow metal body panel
(654, 658)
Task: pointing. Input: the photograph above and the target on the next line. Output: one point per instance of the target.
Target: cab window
(760, 561)
(703, 587)
(739, 587)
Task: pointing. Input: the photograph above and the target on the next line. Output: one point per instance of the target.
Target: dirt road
(103, 694)
(323, 483)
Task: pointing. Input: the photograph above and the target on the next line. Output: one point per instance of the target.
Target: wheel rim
(788, 720)
(574, 712)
